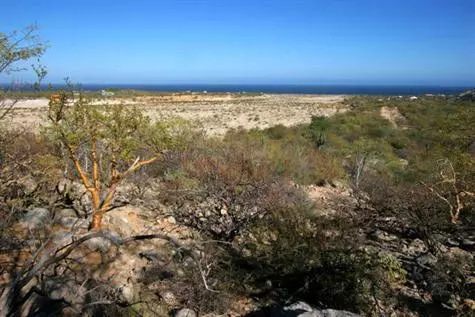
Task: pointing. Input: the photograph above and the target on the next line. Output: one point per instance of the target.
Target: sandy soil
(217, 113)
(394, 116)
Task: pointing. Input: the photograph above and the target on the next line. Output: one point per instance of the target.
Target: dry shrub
(28, 172)
(293, 254)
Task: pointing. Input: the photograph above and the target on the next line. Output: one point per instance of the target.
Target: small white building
(105, 93)
(413, 98)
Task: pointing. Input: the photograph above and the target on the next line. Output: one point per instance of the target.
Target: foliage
(104, 144)
(317, 131)
(16, 48)
(20, 45)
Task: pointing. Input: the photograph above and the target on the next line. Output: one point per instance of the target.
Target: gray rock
(452, 242)
(62, 238)
(185, 312)
(416, 247)
(36, 217)
(128, 292)
(29, 185)
(337, 184)
(73, 222)
(426, 260)
(379, 235)
(69, 290)
(169, 298)
(468, 243)
(67, 212)
(98, 244)
(302, 309)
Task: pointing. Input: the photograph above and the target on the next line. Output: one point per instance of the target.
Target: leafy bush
(317, 131)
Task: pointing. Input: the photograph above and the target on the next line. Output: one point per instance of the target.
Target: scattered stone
(67, 212)
(452, 242)
(169, 298)
(171, 220)
(426, 260)
(337, 184)
(468, 243)
(379, 235)
(62, 238)
(124, 221)
(185, 312)
(98, 244)
(302, 309)
(223, 211)
(416, 247)
(128, 292)
(73, 222)
(69, 291)
(36, 217)
(29, 185)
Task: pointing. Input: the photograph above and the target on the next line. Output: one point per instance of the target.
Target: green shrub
(317, 131)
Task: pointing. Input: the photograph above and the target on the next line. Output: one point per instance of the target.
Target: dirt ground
(216, 113)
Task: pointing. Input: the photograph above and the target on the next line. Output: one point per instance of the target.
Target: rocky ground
(137, 270)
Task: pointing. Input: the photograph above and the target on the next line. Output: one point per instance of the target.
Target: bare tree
(449, 190)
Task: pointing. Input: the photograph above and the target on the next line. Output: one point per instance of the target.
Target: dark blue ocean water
(290, 89)
(283, 89)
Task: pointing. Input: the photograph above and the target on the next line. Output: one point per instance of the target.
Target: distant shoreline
(385, 90)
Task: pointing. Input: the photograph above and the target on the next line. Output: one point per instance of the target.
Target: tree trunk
(96, 223)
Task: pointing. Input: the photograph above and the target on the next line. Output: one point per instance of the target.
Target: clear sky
(428, 42)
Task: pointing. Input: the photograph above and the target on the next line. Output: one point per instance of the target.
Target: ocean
(281, 89)
(288, 89)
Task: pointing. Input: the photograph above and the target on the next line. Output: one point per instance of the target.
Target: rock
(36, 217)
(171, 220)
(416, 247)
(302, 309)
(69, 291)
(379, 235)
(29, 185)
(223, 211)
(73, 222)
(67, 212)
(426, 260)
(337, 184)
(98, 244)
(452, 242)
(169, 298)
(128, 292)
(185, 312)
(124, 221)
(62, 238)
(468, 243)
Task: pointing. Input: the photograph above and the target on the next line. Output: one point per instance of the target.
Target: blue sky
(427, 42)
